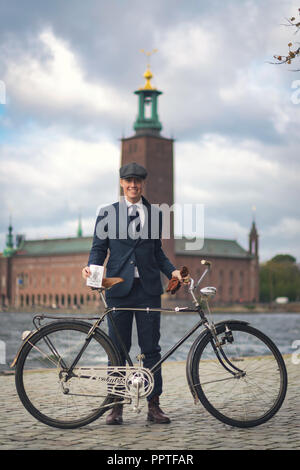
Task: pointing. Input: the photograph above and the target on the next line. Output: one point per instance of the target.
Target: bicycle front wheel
(246, 385)
(42, 380)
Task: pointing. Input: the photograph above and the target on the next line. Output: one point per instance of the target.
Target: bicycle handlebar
(208, 264)
(192, 286)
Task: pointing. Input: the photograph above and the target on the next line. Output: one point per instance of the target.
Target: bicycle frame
(216, 345)
(108, 312)
(170, 351)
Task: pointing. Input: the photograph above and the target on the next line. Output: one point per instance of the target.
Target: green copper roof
(213, 247)
(55, 246)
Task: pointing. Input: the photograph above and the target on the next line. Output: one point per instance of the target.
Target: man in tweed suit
(133, 219)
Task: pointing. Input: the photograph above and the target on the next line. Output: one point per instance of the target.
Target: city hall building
(48, 272)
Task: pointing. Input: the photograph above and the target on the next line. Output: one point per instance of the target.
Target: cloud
(61, 229)
(70, 70)
(282, 236)
(215, 68)
(286, 227)
(224, 166)
(47, 176)
(56, 83)
(229, 176)
(188, 46)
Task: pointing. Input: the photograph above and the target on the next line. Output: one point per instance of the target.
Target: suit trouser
(148, 328)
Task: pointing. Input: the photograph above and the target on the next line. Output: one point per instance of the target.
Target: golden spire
(148, 74)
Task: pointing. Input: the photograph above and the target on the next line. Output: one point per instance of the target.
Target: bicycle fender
(189, 361)
(235, 322)
(25, 340)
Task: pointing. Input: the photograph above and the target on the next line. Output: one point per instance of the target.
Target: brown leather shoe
(116, 415)
(155, 413)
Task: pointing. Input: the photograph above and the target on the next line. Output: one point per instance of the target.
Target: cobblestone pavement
(192, 428)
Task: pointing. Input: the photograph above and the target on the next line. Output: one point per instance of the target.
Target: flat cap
(132, 170)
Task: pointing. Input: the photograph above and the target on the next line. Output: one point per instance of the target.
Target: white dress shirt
(140, 208)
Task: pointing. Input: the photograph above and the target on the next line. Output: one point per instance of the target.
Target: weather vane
(148, 74)
(148, 54)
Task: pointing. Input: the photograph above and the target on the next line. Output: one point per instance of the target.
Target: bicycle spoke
(45, 355)
(216, 380)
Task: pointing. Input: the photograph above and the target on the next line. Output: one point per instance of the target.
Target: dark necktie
(135, 226)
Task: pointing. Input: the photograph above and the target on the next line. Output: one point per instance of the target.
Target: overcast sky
(70, 69)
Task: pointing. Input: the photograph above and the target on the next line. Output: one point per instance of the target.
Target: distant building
(48, 272)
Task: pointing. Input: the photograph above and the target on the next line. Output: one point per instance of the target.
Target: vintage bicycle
(68, 371)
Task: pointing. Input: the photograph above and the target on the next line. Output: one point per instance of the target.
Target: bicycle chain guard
(126, 382)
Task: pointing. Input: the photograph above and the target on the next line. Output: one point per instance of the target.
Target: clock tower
(149, 148)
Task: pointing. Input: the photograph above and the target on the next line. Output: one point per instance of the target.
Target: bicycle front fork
(219, 351)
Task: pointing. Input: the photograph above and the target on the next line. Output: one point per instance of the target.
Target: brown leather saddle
(108, 282)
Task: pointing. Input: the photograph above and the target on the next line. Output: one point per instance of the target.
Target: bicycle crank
(139, 383)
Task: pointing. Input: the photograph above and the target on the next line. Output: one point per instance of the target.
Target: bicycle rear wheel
(255, 391)
(42, 368)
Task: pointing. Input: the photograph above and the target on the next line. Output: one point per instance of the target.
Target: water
(282, 328)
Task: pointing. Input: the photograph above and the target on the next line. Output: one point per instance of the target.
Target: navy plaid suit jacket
(111, 234)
